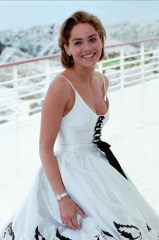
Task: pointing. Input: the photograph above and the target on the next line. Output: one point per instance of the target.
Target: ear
(66, 47)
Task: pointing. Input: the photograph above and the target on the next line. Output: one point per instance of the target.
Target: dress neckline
(86, 104)
(98, 115)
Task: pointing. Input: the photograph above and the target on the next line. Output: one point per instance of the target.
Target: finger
(64, 223)
(75, 223)
(80, 212)
(70, 225)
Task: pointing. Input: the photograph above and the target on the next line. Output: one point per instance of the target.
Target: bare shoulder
(58, 92)
(59, 85)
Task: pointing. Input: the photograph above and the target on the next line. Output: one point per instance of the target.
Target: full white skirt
(114, 207)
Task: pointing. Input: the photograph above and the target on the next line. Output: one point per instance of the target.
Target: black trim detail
(10, 231)
(105, 147)
(60, 236)
(107, 234)
(97, 237)
(149, 229)
(38, 234)
(125, 231)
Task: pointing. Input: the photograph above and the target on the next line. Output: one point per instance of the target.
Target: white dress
(114, 207)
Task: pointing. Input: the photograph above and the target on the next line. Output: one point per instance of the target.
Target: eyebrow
(77, 39)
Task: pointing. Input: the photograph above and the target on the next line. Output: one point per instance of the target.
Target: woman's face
(84, 45)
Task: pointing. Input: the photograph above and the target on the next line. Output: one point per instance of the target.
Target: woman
(80, 193)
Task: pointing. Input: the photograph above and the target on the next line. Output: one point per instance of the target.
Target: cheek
(100, 45)
(76, 51)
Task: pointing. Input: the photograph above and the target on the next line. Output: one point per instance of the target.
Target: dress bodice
(77, 127)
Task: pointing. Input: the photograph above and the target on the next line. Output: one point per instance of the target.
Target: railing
(23, 84)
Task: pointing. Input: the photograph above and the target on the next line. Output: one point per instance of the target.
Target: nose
(87, 47)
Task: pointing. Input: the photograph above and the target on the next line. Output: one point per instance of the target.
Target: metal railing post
(100, 67)
(15, 86)
(122, 68)
(142, 52)
(15, 77)
(158, 57)
(47, 69)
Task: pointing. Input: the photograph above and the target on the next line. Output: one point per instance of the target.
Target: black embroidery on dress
(105, 235)
(38, 235)
(97, 237)
(60, 236)
(128, 231)
(105, 147)
(9, 230)
(149, 229)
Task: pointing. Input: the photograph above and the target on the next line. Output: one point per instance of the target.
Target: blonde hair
(65, 32)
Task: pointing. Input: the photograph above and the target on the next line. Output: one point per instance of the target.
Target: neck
(84, 76)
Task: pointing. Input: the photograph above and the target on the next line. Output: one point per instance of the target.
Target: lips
(88, 56)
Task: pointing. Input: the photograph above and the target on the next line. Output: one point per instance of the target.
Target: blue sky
(24, 14)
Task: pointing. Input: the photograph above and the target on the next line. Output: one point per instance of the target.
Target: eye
(93, 39)
(78, 43)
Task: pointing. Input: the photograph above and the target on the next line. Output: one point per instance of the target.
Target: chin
(91, 63)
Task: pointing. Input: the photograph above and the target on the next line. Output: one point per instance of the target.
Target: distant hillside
(33, 42)
(132, 31)
(43, 40)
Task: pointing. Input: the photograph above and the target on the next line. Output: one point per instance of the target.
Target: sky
(17, 15)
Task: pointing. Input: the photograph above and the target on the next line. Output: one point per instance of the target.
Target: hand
(68, 209)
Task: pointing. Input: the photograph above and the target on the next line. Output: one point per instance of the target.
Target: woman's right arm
(52, 112)
(55, 106)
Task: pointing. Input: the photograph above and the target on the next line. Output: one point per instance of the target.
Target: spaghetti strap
(74, 87)
(105, 96)
(68, 82)
(104, 83)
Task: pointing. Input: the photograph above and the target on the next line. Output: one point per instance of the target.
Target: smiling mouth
(88, 56)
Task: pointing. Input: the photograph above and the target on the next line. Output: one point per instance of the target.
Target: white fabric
(114, 207)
